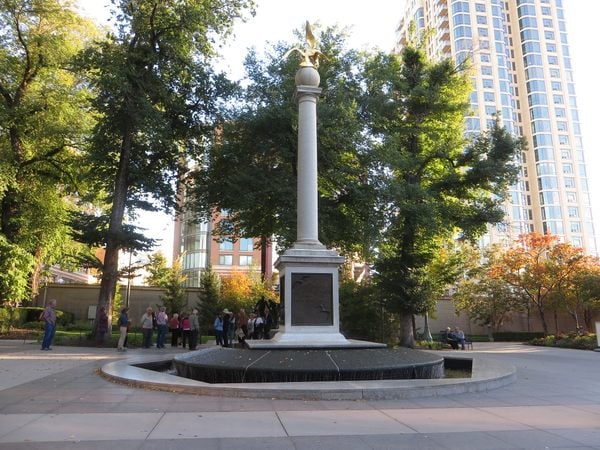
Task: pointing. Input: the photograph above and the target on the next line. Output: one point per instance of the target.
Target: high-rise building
(197, 247)
(521, 71)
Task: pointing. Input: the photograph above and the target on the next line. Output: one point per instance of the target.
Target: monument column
(308, 272)
(307, 92)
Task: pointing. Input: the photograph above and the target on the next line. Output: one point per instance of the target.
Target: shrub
(585, 342)
(517, 336)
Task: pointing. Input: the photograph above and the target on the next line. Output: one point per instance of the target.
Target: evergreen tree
(208, 299)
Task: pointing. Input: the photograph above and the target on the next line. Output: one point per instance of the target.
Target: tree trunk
(110, 271)
(543, 318)
(407, 338)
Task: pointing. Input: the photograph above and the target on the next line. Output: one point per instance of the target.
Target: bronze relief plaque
(312, 299)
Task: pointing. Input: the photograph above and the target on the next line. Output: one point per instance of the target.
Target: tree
(209, 298)
(158, 270)
(251, 169)
(540, 267)
(580, 291)
(156, 98)
(435, 184)
(236, 291)
(174, 298)
(487, 300)
(43, 124)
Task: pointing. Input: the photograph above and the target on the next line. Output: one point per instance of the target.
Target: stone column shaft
(308, 227)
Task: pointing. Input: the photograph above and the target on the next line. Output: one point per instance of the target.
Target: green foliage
(251, 168)
(158, 270)
(585, 342)
(486, 300)
(28, 317)
(362, 314)
(435, 184)
(174, 298)
(15, 266)
(43, 122)
(209, 303)
(157, 100)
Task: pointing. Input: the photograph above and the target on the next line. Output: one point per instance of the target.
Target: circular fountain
(227, 365)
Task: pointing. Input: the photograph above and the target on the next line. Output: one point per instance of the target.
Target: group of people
(454, 337)
(184, 326)
(229, 326)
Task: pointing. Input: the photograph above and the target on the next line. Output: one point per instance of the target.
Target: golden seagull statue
(310, 54)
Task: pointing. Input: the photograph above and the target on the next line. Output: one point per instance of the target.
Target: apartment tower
(521, 71)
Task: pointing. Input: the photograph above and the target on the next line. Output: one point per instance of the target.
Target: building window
(560, 112)
(245, 260)
(246, 245)
(549, 35)
(488, 96)
(573, 211)
(486, 70)
(226, 260)
(552, 60)
(571, 198)
(480, 7)
(481, 20)
(561, 126)
(226, 245)
(555, 73)
(547, 23)
(558, 99)
(563, 139)
(556, 86)
(570, 182)
(488, 83)
(575, 227)
(567, 168)
(546, 11)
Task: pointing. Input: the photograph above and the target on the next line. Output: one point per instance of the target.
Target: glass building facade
(522, 72)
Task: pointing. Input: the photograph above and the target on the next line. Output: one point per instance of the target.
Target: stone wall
(77, 298)
(446, 316)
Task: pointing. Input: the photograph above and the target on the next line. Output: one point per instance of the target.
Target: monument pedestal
(309, 281)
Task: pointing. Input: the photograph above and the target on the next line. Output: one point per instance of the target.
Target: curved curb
(486, 375)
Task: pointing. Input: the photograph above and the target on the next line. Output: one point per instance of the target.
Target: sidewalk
(55, 400)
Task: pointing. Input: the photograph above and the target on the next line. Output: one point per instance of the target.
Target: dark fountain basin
(228, 365)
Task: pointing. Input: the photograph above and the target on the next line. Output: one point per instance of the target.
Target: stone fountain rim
(487, 374)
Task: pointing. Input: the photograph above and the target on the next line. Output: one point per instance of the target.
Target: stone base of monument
(228, 365)
(309, 339)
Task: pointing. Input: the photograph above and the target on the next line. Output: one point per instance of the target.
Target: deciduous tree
(540, 267)
(156, 97)
(436, 184)
(43, 123)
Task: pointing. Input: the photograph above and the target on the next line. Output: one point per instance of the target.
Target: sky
(373, 25)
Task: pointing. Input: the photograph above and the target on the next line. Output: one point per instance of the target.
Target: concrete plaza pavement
(57, 400)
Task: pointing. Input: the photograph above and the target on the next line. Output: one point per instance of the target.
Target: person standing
(194, 329)
(49, 318)
(218, 327)
(123, 327)
(175, 330)
(161, 325)
(267, 324)
(102, 326)
(242, 322)
(147, 326)
(226, 325)
(185, 330)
